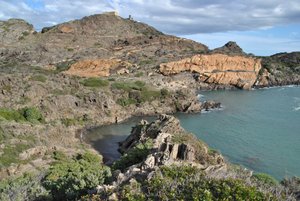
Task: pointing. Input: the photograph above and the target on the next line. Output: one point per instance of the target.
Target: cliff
(220, 69)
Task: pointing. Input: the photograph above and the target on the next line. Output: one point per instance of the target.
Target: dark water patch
(105, 139)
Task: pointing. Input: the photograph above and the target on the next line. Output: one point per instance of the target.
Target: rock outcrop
(171, 145)
(14, 30)
(280, 69)
(219, 69)
(230, 48)
(96, 67)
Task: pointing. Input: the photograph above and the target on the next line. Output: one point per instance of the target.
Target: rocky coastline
(103, 69)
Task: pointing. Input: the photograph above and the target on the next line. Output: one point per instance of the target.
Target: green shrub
(146, 62)
(164, 92)
(32, 115)
(10, 154)
(128, 86)
(72, 122)
(25, 187)
(38, 78)
(68, 180)
(2, 135)
(11, 115)
(126, 101)
(134, 155)
(265, 179)
(59, 156)
(63, 66)
(189, 183)
(139, 74)
(94, 82)
(149, 95)
(111, 79)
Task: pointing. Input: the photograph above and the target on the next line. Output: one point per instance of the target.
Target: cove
(259, 129)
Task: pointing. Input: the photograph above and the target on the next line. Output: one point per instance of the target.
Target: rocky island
(104, 69)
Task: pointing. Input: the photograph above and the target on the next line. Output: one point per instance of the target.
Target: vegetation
(95, 82)
(39, 78)
(134, 155)
(74, 121)
(137, 92)
(10, 154)
(126, 101)
(63, 66)
(70, 179)
(139, 74)
(25, 187)
(32, 114)
(128, 86)
(29, 114)
(189, 183)
(265, 179)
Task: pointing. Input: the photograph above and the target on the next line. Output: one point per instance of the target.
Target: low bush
(10, 154)
(265, 179)
(95, 82)
(11, 115)
(70, 179)
(30, 114)
(25, 187)
(128, 86)
(38, 78)
(63, 66)
(189, 183)
(126, 101)
(139, 74)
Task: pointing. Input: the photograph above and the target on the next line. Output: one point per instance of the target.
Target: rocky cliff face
(220, 69)
(280, 69)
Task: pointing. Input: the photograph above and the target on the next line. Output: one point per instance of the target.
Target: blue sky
(259, 27)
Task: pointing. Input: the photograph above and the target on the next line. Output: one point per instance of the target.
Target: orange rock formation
(222, 69)
(93, 68)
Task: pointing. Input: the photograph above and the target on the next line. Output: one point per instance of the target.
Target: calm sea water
(258, 129)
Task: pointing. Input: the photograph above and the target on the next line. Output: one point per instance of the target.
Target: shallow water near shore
(259, 129)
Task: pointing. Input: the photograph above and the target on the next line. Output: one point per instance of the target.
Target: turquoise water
(258, 129)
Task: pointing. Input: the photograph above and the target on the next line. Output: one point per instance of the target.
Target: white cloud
(262, 45)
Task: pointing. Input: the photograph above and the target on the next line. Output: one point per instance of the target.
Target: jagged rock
(219, 69)
(209, 105)
(230, 48)
(171, 145)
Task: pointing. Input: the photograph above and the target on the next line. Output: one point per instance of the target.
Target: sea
(258, 129)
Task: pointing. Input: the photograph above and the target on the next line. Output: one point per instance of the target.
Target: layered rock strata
(220, 69)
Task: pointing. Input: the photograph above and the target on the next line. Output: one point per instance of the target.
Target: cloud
(171, 16)
(260, 44)
(43, 13)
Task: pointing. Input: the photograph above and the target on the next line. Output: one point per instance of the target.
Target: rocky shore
(104, 69)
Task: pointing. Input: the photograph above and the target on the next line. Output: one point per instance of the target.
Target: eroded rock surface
(221, 69)
(95, 67)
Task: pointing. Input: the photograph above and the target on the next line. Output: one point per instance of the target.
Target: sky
(262, 27)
